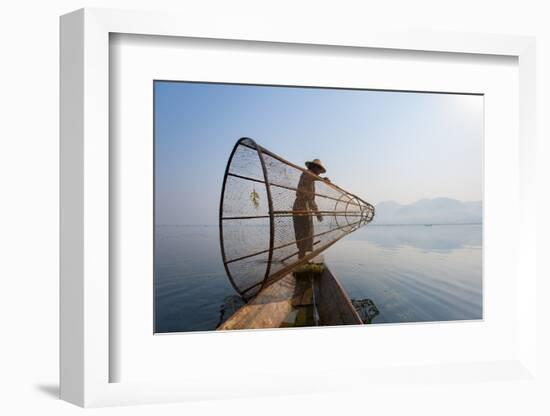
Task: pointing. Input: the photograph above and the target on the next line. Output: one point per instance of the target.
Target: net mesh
(275, 216)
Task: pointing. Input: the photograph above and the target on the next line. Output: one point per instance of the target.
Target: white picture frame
(85, 201)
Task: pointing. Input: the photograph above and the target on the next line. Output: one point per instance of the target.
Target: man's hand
(319, 218)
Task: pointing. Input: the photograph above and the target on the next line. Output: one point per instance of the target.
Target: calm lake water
(411, 273)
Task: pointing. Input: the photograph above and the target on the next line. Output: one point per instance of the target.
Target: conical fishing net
(275, 216)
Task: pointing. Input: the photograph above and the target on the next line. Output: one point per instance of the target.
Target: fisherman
(305, 207)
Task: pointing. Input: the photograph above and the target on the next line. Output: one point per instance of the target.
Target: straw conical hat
(318, 163)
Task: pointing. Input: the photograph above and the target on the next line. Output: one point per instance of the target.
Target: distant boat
(427, 225)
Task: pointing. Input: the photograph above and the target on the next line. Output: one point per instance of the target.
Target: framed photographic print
(268, 254)
(229, 197)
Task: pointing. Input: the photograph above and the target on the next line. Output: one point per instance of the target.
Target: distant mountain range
(429, 211)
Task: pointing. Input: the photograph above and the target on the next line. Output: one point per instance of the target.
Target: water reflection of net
(258, 215)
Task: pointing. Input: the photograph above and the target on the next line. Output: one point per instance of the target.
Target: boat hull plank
(267, 310)
(333, 304)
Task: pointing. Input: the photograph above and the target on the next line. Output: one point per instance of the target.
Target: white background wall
(29, 204)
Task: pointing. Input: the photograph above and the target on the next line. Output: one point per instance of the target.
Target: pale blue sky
(379, 145)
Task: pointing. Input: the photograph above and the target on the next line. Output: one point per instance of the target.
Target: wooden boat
(309, 296)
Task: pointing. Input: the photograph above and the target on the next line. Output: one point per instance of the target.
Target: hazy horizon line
(429, 199)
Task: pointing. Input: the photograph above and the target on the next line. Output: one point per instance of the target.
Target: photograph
(288, 206)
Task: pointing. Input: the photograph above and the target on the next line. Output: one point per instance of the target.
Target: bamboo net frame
(259, 238)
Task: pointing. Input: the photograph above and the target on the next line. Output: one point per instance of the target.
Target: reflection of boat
(310, 296)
